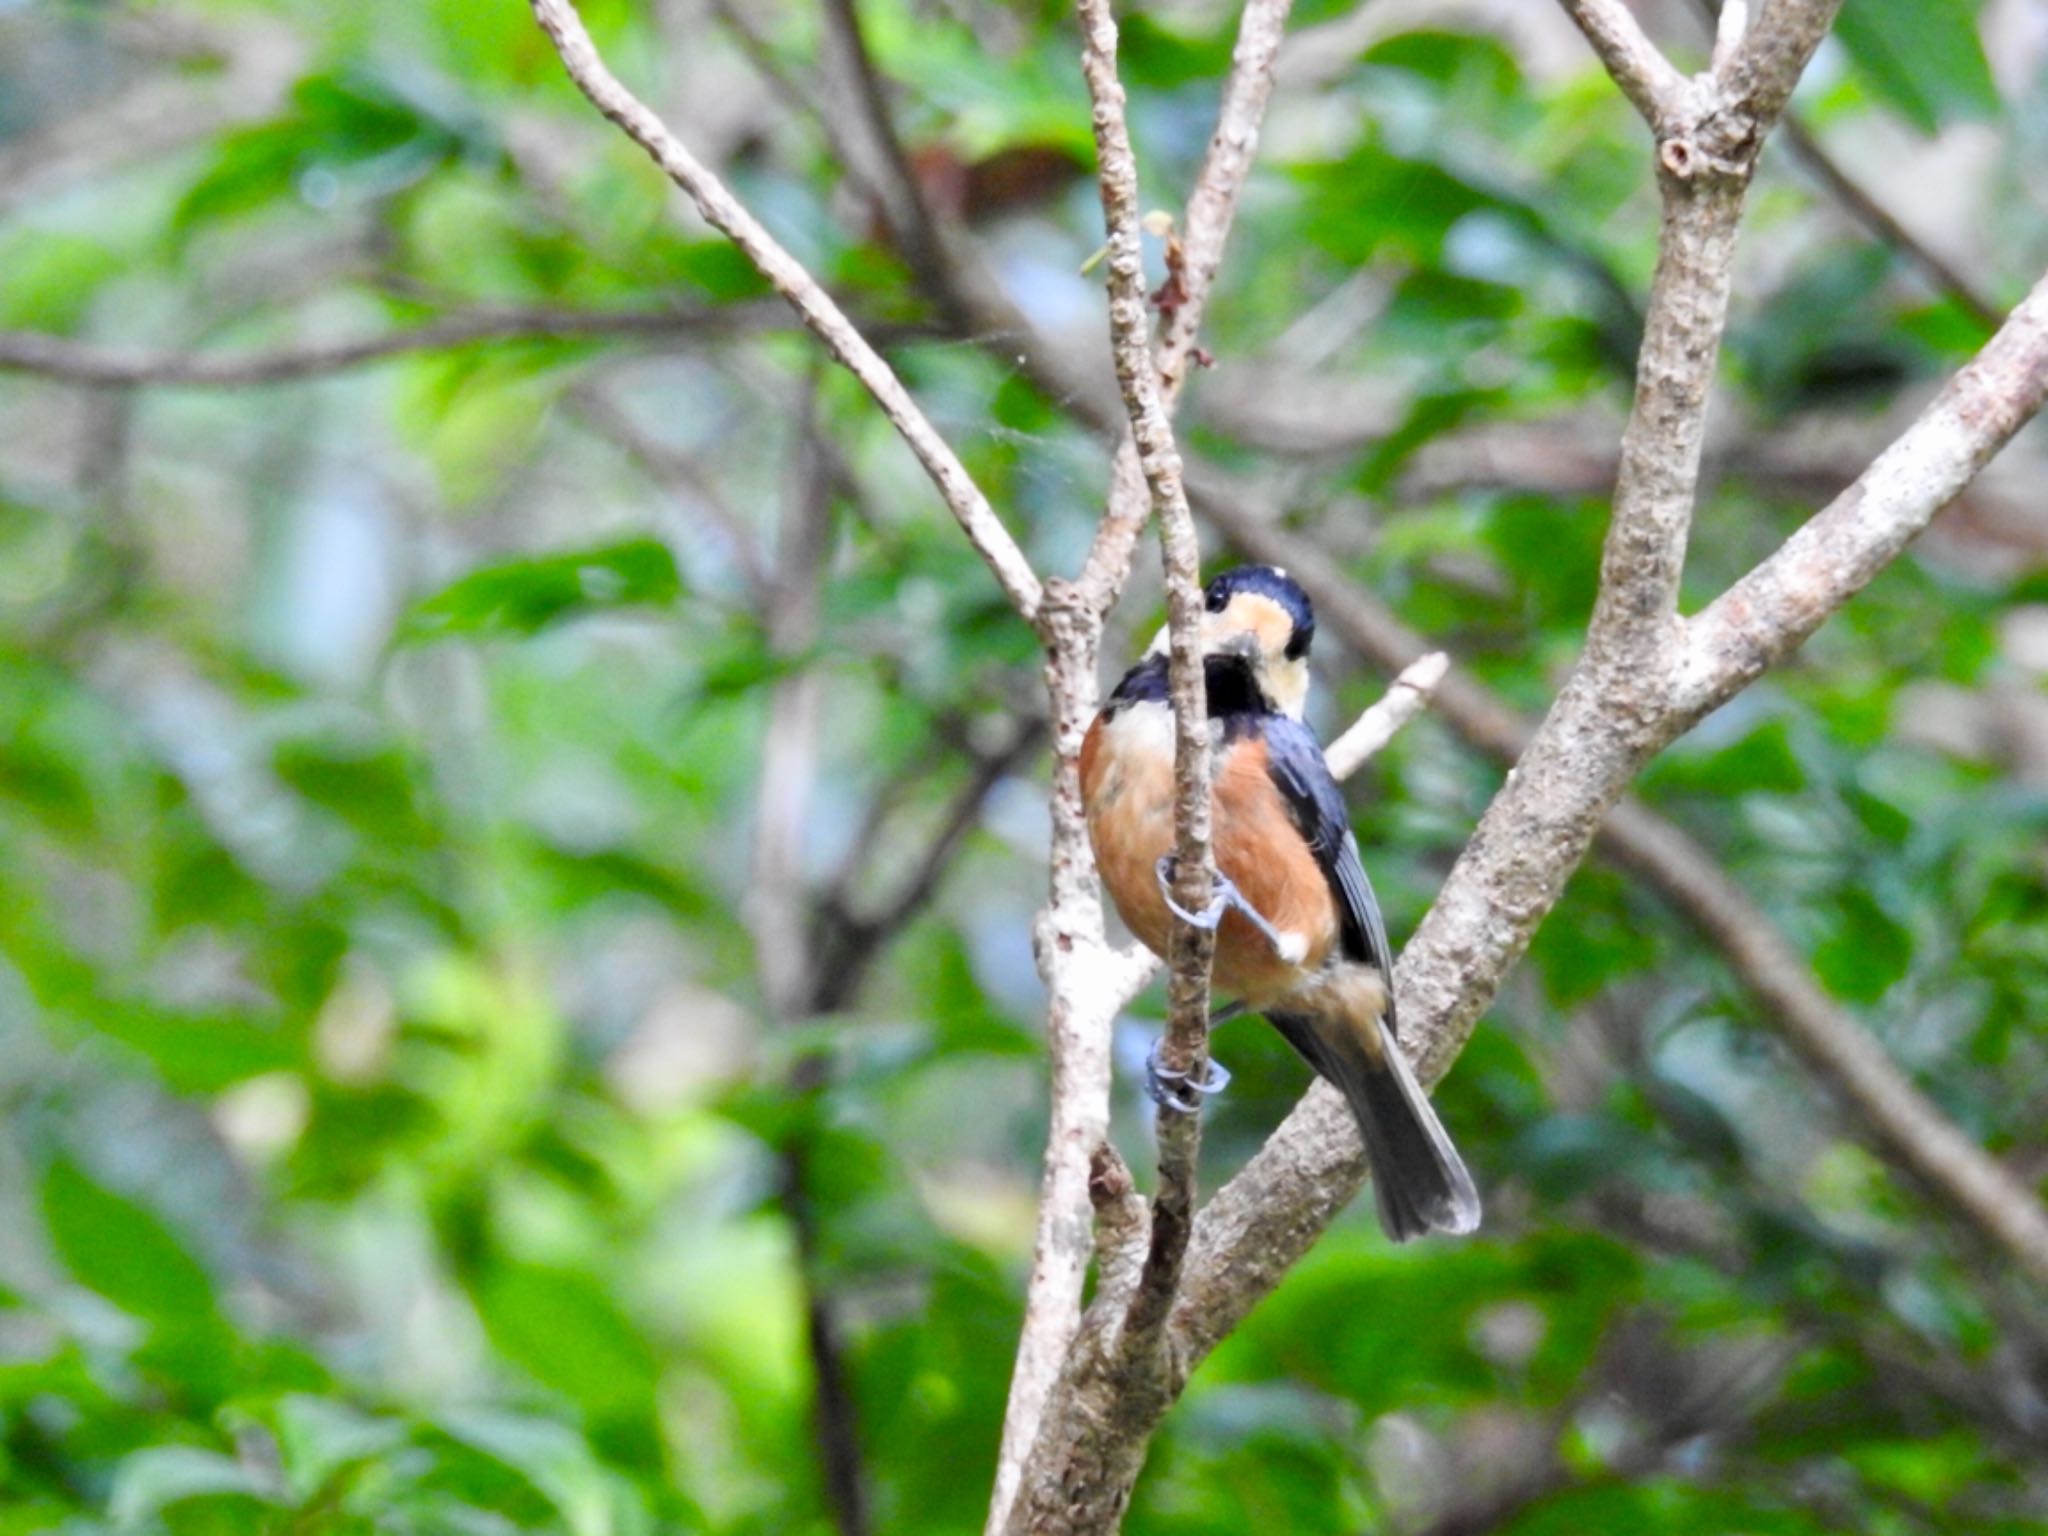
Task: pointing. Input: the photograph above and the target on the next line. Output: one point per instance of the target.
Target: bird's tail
(1418, 1178)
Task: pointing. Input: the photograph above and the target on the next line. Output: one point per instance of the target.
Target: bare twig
(1771, 611)
(1185, 1049)
(1212, 207)
(1070, 945)
(1406, 697)
(1638, 66)
(77, 362)
(787, 276)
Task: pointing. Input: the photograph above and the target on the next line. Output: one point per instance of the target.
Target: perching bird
(1300, 937)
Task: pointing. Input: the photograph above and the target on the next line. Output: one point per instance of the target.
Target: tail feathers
(1418, 1179)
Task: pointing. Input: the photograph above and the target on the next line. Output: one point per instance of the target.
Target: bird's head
(1258, 616)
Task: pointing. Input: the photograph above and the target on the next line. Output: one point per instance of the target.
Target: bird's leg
(1226, 896)
(1168, 1088)
(1176, 1090)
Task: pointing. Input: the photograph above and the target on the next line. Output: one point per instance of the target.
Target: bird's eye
(1298, 643)
(1218, 599)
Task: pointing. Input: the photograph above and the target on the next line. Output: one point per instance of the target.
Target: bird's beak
(1232, 642)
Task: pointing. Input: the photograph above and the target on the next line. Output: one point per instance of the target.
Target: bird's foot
(1178, 1090)
(1225, 897)
(1222, 895)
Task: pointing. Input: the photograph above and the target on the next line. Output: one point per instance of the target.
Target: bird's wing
(1295, 761)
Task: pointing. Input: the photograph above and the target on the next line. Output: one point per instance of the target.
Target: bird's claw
(1178, 1090)
(1225, 896)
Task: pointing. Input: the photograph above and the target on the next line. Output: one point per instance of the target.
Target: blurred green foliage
(417, 1119)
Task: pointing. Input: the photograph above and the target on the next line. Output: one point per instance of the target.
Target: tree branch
(1211, 209)
(1406, 697)
(1770, 612)
(1186, 1048)
(816, 308)
(1070, 944)
(1638, 66)
(77, 362)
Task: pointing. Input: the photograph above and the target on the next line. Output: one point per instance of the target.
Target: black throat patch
(1235, 698)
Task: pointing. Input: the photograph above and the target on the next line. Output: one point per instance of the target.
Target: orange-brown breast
(1127, 786)
(1258, 847)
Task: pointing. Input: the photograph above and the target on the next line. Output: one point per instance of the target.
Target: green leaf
(1923, 57)
(1866, 953)
(521, 597)
(563, 1328)
(124, 1252)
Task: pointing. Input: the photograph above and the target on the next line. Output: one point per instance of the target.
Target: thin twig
(1406, 697)
(1638, 66)
(1185, 1049)
(1211, 209)
(787, 277)
(77, 362)
(1069, 936)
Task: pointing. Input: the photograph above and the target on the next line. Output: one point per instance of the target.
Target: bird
(1299, 936)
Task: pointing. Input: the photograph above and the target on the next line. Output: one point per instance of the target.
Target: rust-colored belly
(1127, 785)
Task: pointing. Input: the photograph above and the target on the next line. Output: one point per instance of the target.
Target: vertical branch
(1212, 207)
(1089, 985)
(1191, 948)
